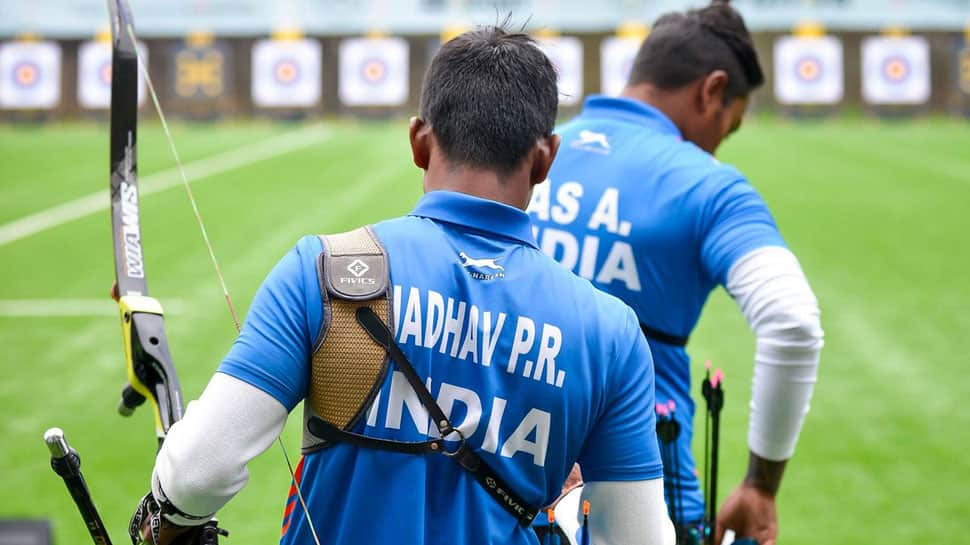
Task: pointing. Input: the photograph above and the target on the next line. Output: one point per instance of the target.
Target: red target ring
(808, 69)
(896, 69)
(26, 74)
(286, 72)
(105, 73)
(374, 71)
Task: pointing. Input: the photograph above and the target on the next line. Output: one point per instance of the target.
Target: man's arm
(628, 513)
(777, 301)
(621, 456)
(203, 463)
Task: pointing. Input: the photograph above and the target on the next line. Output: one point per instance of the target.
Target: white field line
(166, 179)
(43, 308)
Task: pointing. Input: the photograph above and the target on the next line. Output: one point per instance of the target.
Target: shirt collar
(476, 213)
(630, 110)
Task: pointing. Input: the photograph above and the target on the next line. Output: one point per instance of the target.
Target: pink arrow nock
(717, 378)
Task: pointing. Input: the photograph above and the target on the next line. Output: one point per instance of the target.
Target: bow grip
(151, 373)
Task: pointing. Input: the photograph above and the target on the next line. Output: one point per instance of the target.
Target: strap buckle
(465, 456)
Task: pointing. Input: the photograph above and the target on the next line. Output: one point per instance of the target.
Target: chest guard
(348, 367)
(354, 352)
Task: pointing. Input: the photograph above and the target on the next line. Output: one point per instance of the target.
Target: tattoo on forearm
(765, 475)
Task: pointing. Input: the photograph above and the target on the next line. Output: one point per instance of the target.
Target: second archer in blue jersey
(656, 221)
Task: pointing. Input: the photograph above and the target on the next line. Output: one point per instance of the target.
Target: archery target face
(374, 71)
(896, 70)
(627, 67)
(104, 74)
(30, 75)
(286, 72)
(566, 55)
(26, 74)
(616, 62)
(94, 75)
(808, 70)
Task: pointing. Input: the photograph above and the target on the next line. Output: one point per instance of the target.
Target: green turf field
(877, 213)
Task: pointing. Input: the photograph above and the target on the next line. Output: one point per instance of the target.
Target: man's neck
(671, 104)
(512, 189)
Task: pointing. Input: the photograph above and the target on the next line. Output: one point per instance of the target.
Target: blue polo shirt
(535, 366)
(655, 221)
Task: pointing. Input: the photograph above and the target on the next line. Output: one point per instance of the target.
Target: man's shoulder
(608, 312)
(697, 164)
(650, 151)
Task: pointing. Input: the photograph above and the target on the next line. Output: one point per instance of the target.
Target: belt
(662, 337)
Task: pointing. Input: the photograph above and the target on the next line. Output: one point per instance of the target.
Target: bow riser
(148, 360)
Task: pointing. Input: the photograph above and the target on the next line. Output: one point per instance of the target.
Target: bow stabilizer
(151, 373)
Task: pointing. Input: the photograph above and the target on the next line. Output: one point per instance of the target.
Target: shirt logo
(595, 142)
(357, 268)
(488, 264)
(483, 263)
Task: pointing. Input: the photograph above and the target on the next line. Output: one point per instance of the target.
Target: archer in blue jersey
(534, 366)
(531, 386)
(637, 204)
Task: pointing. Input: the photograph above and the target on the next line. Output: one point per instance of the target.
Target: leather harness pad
(347, 367)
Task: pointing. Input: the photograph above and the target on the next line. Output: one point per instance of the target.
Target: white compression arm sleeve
(770, 288)
(202, 464)
(628, 513)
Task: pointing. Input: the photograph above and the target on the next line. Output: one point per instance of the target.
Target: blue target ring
(896, 69)
(808, 69)
(26, 74)
(286, 72)
(374, 71)
(104, 73)
(627, 65)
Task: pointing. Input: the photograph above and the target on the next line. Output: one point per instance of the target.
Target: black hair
(682, 47)
(488, 96)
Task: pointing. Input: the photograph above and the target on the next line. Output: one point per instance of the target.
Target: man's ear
(713, 90)
(419, 133)
(542, 156)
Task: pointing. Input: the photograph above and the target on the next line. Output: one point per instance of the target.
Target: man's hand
(148, 526)
(573, 481)
(750, 513)
(750, 509)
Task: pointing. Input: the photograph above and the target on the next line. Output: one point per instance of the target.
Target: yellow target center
(26, 74)
(374, 71)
